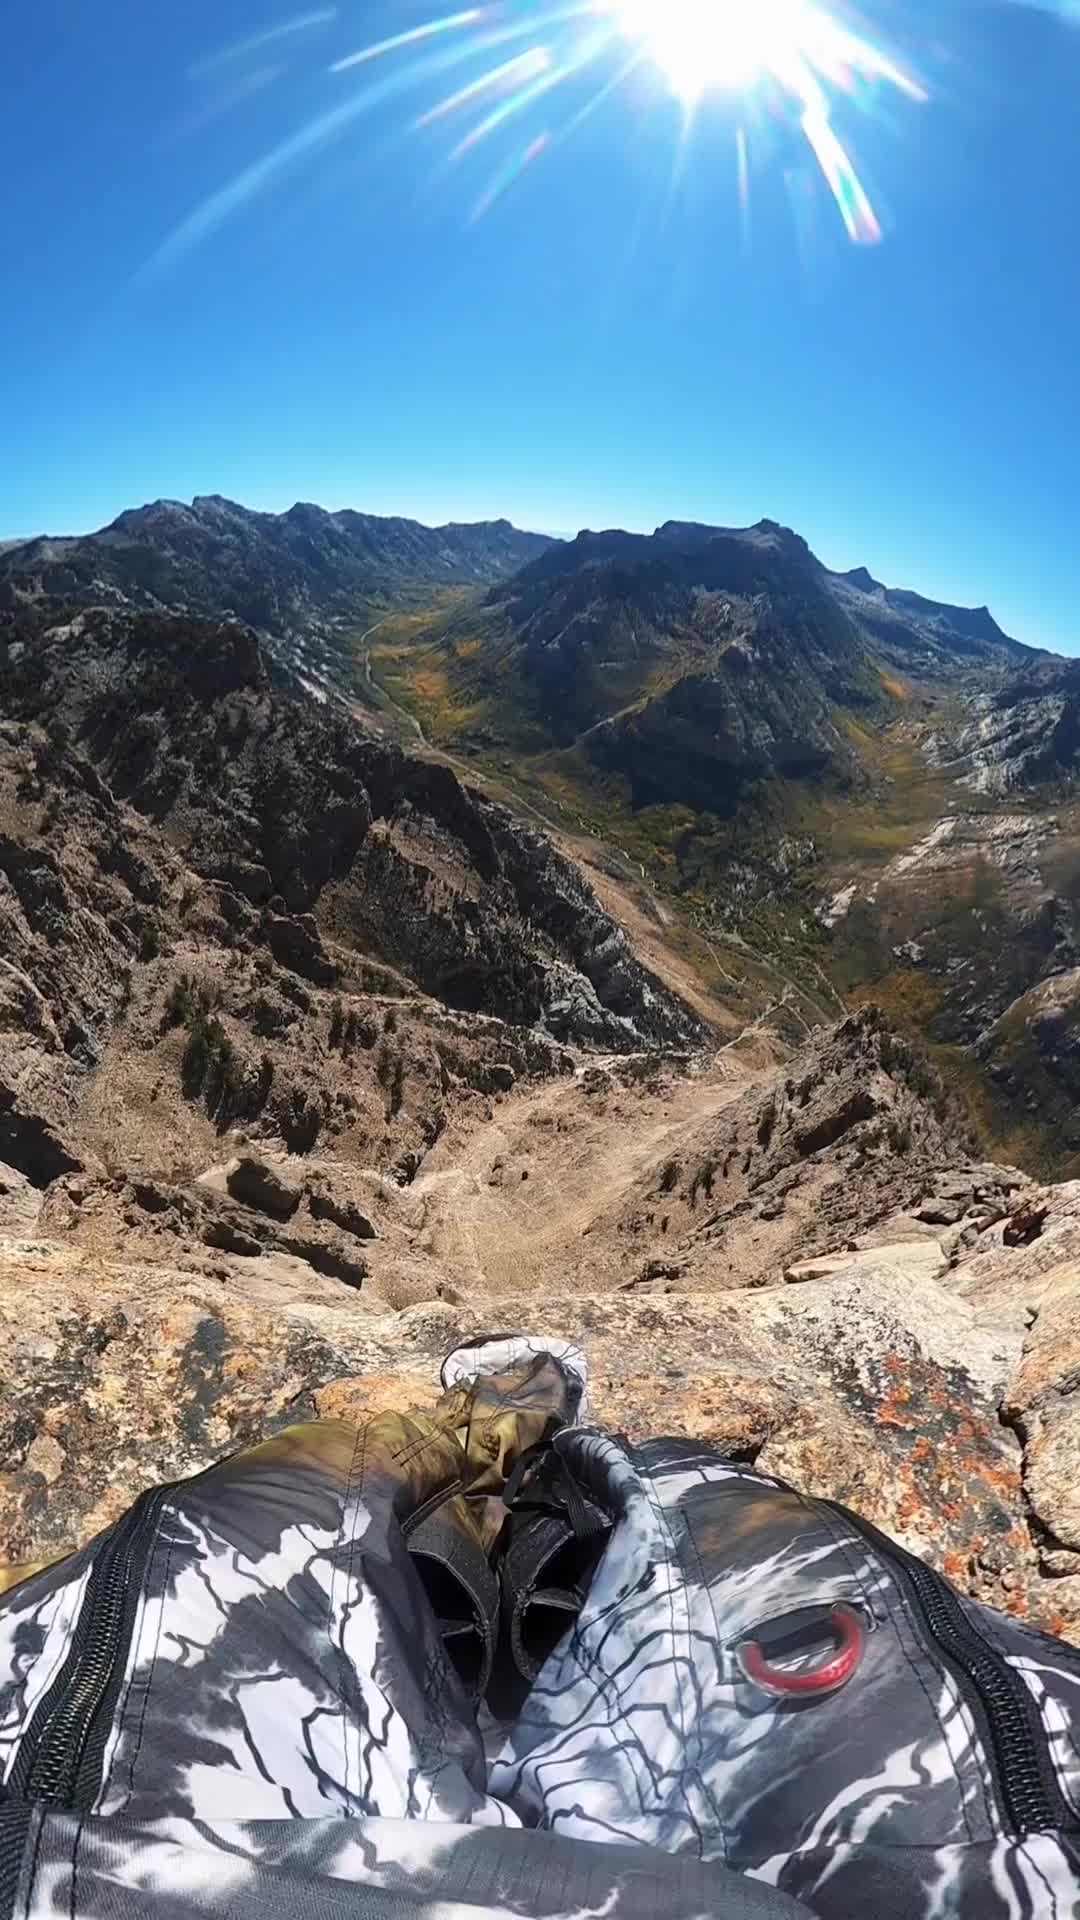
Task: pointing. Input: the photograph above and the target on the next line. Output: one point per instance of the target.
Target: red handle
(834, 1672)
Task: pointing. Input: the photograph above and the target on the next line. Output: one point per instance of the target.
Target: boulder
(921, 1258)
(344, 1214)
(260, 1184)
(20, 1203)
(1043, 1401)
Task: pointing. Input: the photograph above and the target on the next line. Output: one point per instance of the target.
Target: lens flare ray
(263, 174)
(411, 39)
(507, 175)
(525, 97)
(243, 49)
(856, 212)
(523, 66)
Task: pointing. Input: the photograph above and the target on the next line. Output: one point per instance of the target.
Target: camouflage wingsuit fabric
(492, 1660)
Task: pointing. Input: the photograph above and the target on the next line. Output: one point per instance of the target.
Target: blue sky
(603, 347)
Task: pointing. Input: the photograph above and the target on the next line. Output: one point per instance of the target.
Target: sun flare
(801, 53)
(524, 74)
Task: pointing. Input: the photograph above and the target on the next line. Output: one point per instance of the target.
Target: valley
(923, 855)
(797, 790)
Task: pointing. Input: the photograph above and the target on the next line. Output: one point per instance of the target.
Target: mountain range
(699, 659)
(811, 783)
(288, 574)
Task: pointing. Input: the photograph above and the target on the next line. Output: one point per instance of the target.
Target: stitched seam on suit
(897, 1616)
(359, 1449)
(680, 1697)
(692, 1542)
(140, 1730)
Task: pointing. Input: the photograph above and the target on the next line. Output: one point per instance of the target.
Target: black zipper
(1004, 1710)
(61, 1754)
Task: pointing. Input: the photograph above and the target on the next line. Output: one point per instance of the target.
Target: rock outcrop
(879, 1384)
(898, 1335)
(1026, 733)
(856, 1138)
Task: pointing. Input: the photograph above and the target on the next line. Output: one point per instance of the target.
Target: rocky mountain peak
(214, 504)
(862, 578)
(973, 623)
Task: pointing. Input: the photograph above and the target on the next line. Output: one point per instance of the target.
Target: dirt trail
(414, 732)
(511, 1207)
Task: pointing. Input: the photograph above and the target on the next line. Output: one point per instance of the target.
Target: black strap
(463, 1591)
(542, 1482)
(551, 1544)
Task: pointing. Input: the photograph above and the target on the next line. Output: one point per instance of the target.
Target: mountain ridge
(765, 533)
(592, 639)
(280, 572)
(498, 542)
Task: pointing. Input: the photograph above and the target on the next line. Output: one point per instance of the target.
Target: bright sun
(700, 45)
(804, 48)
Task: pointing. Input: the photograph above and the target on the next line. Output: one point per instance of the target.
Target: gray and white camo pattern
(292, 1739)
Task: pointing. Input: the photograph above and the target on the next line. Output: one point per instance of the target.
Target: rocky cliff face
(220, 904)
(1022, 736)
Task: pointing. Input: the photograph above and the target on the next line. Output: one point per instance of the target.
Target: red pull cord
(833, 1673)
